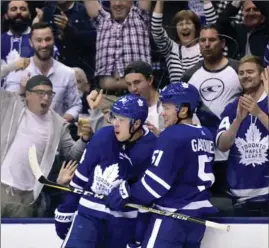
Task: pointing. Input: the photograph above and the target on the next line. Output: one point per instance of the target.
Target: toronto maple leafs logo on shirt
(123, 100)
(254, 148)
(12, 56)
(140, 103)
(105, 180)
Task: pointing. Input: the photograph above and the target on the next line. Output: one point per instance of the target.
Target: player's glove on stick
(63, 220)
(118, 197)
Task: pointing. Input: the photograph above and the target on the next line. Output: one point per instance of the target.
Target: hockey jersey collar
(27, 31)
(263, 96)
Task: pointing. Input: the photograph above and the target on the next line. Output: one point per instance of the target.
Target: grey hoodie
(12, 108)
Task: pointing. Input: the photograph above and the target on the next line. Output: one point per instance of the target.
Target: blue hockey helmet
(180, 93)
(131, 106)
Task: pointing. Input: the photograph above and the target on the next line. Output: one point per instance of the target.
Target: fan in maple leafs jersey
(247, 172)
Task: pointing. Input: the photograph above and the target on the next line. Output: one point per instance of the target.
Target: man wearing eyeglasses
(26, 123)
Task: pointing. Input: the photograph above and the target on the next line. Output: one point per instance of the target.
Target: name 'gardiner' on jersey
(179, 182)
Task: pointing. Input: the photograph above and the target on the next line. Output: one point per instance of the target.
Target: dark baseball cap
(37, 80)
(139, 67)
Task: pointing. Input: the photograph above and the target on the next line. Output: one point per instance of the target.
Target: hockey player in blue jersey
(244, 131)
(179, 175)
(115, 153)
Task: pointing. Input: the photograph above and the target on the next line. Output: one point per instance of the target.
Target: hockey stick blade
(43, 180)
(34, 163)
(40, 177)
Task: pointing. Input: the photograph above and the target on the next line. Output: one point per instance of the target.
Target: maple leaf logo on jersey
(254, 149)
(123, 100)
(140, 103)
(185, 85)
(105, 181)
(12, 56)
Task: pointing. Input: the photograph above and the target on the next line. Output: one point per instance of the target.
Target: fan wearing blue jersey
(107, 160)
(179, 175)
(244, 131)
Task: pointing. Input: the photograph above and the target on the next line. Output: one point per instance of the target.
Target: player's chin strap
(179, 119)
(178, 107)
(132, 132)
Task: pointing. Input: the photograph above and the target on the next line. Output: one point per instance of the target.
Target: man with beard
(15, 43)
(66, 102)
(74, 33)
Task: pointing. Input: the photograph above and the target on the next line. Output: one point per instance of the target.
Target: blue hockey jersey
(104, 164)
(180, 172)
(247, 172)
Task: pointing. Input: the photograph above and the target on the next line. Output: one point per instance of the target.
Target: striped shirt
(212, 13)
(178, 58)
(119, 44)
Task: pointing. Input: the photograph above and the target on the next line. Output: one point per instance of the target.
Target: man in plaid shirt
(122, 37)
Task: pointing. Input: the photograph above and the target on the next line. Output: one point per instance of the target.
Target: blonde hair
(252, 59)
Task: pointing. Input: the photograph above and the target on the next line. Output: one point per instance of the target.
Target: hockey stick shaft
(40, 177)
(139, 207)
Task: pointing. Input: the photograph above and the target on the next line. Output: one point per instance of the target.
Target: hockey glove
(118, 197)
(63, 220)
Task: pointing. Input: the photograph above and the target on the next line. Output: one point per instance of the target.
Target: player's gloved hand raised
(118, 197)
(63, 220)
(134, 245)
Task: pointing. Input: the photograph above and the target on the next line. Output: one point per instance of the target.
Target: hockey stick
(40, 177)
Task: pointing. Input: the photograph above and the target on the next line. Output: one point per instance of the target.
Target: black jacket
(257, 39)
(77, 49)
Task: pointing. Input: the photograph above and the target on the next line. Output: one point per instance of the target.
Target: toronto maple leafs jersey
(247, 171)
(180, 173)
(103, 166)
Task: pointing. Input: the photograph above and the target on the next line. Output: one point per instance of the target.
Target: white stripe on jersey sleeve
(75, 185)
(81, 177)
(149, 189)
(158, 179)
(218, 136)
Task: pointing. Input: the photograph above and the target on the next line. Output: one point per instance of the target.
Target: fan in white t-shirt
(140, 81)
